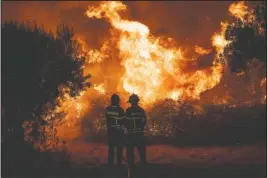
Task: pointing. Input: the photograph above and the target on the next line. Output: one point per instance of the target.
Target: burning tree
(247, 35)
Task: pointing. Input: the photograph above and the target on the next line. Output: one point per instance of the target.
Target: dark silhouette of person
(114, 116)
(135, 123)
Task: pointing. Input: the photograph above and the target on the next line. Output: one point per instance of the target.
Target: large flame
(153, 67)
(152, 63)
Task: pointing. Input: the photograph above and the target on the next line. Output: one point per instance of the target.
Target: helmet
(133, 99)
(115, 99)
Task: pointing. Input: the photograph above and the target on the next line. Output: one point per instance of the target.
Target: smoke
(50, 14)
(189, 23)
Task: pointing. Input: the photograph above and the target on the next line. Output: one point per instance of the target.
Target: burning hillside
(156, 68)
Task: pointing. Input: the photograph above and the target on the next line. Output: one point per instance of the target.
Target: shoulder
(141, 109)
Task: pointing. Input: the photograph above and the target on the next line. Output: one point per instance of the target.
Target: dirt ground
(90, 160)
(167, 160)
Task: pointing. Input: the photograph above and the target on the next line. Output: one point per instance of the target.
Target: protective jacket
(116, 138)
(114, 117)
(135, 123)
(135, 119)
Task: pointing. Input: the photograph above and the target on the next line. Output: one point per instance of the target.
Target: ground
(164, 160)
(168, 160)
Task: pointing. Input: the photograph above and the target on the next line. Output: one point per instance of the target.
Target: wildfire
(152, 62)
(153, 67)
(92, 56)
(175, 95)
(100, 88)
(219, 41)
(202, 51)
(240, 10)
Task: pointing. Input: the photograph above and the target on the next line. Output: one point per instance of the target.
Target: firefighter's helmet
(115, 99)
(133, 99)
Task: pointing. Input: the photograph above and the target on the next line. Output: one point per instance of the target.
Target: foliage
(36, 65)
(248, 40)
(213, 124)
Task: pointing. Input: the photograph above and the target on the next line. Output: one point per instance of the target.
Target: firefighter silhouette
(135, 123)
(114, 116)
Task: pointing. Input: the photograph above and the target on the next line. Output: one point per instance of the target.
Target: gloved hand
(125, 131)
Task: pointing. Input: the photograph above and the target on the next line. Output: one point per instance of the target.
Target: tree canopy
(248, 40)
(35, 64)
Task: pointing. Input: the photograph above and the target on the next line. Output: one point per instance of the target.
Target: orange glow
(242, 73)
(175, 95)
(151, 62)
(100, 88)
(263, 85)
(201, 50)
(263, 81)
(238, 10)
(137, 62)
(219, 41)
(92, 56)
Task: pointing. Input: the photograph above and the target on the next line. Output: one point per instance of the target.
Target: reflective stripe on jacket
(114, 116)
(135, 119)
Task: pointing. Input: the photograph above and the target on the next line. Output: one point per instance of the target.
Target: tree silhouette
(34, 65)
(248, 40)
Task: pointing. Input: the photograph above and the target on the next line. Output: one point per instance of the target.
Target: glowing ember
(78, 109)
(201, 50)
(242, 73)
(263, 82)
(263, 85)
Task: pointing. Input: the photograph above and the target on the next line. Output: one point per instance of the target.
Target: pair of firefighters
(125, 129)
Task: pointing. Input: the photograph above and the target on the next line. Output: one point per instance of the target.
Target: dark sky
(189, 22)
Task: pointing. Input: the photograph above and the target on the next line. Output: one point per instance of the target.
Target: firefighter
(114, 116)
(135, 124)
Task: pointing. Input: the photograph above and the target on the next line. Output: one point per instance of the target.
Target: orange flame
(91, 55)
(153, 67)
(202, 51)
(175, 95)
(219, 41)
(100, 88)
(238, 10)
(150, 62)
